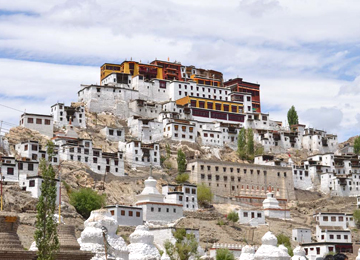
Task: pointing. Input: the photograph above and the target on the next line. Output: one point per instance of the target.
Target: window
(20, 166)
(30, 120)
(217, 106)
(94, 160)
(47, 121)
(112, 212)
(138, 214)
(209, 105)
(259, 215)
(333, 219)
(152, 209)
(34, 147)
(10, 171)
(345, 236)
(130, 213)
(159, 209)
(174, 210)
(34, 156)
(245, 214)
(331, 236)
(111, 132)
(26, 147)
(30, 167)
(32, 183)
(338, 236)
(180, 198)
(118, 133)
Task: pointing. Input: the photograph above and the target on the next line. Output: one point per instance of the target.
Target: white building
(9, 169)
(41, 123)
(126, 215)
(252, 217)
(63, 114)
(272, 209)
(33, 150)
(185, 194)
(155, 209)
(113, 134)
(139, 154)
(271, 161)
(332, 234)
(33, 184)
(301, 235)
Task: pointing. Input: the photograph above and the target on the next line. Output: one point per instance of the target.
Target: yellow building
(206, 103)
(149, 71)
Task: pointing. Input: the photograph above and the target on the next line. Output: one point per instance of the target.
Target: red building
(171, 70)
(238, 85)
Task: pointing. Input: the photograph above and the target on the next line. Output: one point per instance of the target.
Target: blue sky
(303, 53)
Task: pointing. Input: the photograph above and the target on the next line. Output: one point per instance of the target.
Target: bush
(220, 222)
(356, 215)
(204, 195)
(224, 254)
(233, 217)
(181, 161)
(285, 240)
(86, 200)
(181, 178)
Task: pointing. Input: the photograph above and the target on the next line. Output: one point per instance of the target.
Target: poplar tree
(357, 145)
(46, 237)
(292, 116)
(250, 143)
(181, 161)
(242, 143)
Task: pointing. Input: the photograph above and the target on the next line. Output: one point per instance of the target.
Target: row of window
(202, 168)
(337, 236)
(334, 218)
(152, 209)
(39, 121)
(218, 106)
(203, 89)
(246, 214)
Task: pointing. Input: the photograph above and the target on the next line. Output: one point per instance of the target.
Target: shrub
(185, 246)
(86, 200)
(356, 215)
(204, 195)
(181, 161)
(224, 254)
(233, 217)
(285, 240)
(181, 178)
(220, 222)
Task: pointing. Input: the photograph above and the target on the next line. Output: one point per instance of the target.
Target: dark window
(138, 214)
(209, 105)
(38, 121)
(130, 213)
(30, 167)
(32, 183)
(30, 120)
(123, 213)
(20, 166)
(47, 121)
(217, 106)
(10, 171)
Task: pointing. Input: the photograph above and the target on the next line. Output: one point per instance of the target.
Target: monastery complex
(166, 102)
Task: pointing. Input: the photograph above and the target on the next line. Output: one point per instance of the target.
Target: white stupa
(92, 239)
(247, 253)
(299, 254)
(271, 202)
(142, 245)
(150, 192)
(269, 250)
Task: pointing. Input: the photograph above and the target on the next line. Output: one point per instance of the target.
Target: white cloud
(297, 50)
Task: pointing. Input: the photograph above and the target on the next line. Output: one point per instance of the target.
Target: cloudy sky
(303, 52)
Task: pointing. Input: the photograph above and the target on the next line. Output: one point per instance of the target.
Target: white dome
(247, 253)
(299, 253)
(269, 251)
(142, 246)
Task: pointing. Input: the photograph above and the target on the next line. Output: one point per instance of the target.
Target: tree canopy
(204, 195)
(86, 200)
(357, 145)
(46, 236)
(181, 161)
(185, 245)
(224, 254)
(292, 116)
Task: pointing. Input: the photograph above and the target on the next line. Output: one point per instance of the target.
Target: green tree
(356, 215)
(224, 254)
(204, 195)
(46, 237)
(86, 200)
(285, 240)
(181, 161)
(250, 146)
(292, 116)
(168, 151)
(185, 245)
(181, 178)
(357, 145)
(242, 143)
(233, 217)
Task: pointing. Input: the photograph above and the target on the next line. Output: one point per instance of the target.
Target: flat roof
(29, 114)
(122, 206)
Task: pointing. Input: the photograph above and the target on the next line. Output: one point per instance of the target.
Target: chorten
(100, 230)
(150, 192)
(299, 254)
(142, 245)
(269, 250)
(247, 253)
